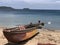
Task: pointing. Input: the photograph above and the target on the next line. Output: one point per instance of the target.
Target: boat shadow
(22, 42)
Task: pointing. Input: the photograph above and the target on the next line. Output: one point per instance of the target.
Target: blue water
(12, 18)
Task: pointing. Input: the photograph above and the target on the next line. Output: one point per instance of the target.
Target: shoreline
(45, 36)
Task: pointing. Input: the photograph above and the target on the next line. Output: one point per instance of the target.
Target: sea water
(51, 18)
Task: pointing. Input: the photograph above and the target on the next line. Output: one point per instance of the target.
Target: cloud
(53, 4)
(42, 1)
(1, 2)
(57, 1)
(31, 1)
(36, 1)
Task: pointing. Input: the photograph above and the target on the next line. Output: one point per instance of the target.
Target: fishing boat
(20, 33)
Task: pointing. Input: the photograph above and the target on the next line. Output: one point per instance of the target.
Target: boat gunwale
(20, 31)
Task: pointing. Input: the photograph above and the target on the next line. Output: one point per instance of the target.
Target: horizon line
(30, 8)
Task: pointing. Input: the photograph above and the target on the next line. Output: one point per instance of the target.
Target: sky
(32, 4)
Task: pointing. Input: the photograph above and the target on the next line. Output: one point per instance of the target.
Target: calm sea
(12, 18)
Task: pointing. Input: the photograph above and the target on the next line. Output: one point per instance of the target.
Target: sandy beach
(45, 36)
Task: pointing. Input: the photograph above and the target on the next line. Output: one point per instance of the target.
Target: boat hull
(17, 37)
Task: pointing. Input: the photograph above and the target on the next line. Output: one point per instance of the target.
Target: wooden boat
(16, 35)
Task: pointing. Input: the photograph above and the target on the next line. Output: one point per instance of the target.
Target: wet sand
(45, 36)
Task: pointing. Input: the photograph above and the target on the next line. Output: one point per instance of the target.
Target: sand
(45, 36)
